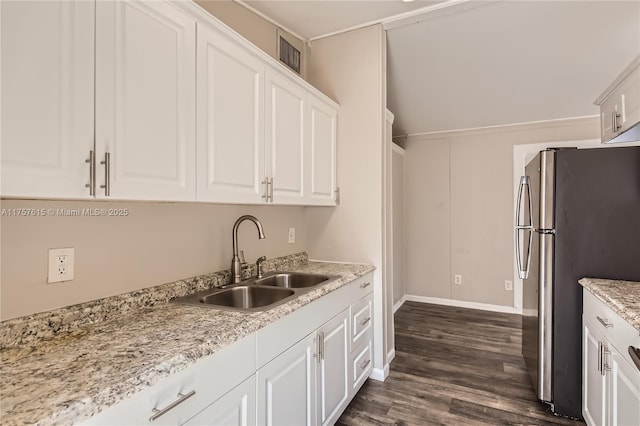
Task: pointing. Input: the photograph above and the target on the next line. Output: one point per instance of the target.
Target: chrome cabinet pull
(265, 194)
(107, 174)
(271, 192)
(523, 270)
(181, 398)
(365, 364)
(92, 173)
(365, 321)
(337, 192)
(600, 357)
(365, 285)
(614, 122)
(322, 345)
(634, 353)
(605, 322)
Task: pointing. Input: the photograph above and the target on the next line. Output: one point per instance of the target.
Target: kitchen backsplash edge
(31, 329)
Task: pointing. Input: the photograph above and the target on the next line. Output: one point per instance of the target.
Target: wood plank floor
(453, 366)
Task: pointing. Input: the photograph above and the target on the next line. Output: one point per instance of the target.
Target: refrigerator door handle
(523, 266)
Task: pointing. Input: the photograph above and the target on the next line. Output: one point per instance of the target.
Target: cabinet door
(608, 108)
(285, 139)
(145, 100)
(236, 408)
(625, 391)
(47, 97)
(594, 397)
(630, 100)
(321, 149)
(287, 386)
(333, 377)
(230, 120)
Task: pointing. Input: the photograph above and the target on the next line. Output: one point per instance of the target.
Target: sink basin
(292, 280)
(247, 297)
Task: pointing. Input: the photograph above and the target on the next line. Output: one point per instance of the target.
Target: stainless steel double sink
(256, 294)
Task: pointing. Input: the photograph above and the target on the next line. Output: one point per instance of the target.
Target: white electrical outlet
(292, 235)
(508, 285)
(60, 265)
(457, 279)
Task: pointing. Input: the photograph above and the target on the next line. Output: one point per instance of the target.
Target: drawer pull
(181, 398)
(365, 364)
(605, 322)
(365, 285)
(365, 321)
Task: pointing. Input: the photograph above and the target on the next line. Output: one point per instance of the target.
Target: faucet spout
(235, 262)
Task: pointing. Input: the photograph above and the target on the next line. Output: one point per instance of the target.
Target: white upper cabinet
(620, 106)
(47, 97)
(123, 100)
(230, 120)
(285, 138)
(145, 100)
(321, 159)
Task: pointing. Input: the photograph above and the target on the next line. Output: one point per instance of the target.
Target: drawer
(209, 378)
(361, 321)
(363, 285)
(620, 333)
(361, 365)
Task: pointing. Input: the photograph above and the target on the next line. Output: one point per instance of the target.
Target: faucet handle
(259, 266)
(241, 256)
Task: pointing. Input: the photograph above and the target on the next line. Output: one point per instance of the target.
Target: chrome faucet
(236, 273)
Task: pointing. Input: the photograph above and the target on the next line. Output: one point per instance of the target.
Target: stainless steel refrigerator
(577, 215)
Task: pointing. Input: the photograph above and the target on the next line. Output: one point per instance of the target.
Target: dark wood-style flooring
(453, 366)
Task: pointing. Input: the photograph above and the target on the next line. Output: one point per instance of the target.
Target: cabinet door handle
(365, 285)
(605, 322)
(181, 398)
(322, 345)
(614, 121)
(271, 192)
(107, 174)
(365, 364)
(600, 357)
(92, 173)
(365, 321)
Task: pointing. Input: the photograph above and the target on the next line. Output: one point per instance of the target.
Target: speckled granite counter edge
(55, 382)
(32, 329)
(623, 297)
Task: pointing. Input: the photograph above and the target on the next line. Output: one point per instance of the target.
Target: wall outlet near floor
(292, 235)
(508, 285)
(60, 265)
(457, 279)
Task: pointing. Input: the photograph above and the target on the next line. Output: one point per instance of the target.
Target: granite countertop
(70, 377)
(623, 297)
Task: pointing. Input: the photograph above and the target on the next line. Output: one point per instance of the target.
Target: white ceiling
(316, 18)
(485, 63)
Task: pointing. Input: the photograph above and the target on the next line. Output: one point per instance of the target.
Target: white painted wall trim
(380, 374)
(463, 304)
(505, 127)
(391, 355)
(399, 303)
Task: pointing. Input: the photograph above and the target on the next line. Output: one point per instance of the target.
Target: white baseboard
(463, 304)
(399, 303)
(380, 374)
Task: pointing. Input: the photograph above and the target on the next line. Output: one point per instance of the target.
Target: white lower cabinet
(333, 363)
(610, 380)
(236, 408)
(177, 398)
(287, 386)
(302, 369)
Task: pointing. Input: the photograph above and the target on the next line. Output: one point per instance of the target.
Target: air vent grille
(289, 55)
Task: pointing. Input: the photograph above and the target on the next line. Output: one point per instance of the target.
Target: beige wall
(254, 28)
(156, 243)
(398, 203)
(350, 69)
(459, 207)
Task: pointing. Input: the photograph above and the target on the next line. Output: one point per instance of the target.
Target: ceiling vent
(288, 54)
